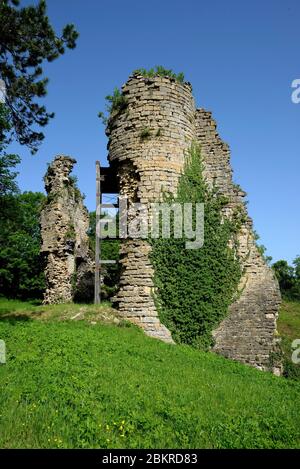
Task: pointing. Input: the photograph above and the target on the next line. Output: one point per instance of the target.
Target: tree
(27, 39)
(285, 275)
(296, 263)
(288, 278)
(262, 249)
(295, 291)
(8, 185)
(21, 271)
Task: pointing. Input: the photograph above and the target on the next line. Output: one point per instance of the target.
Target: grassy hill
(95, 384)
(289, 329)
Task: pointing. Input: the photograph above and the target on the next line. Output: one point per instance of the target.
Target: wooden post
(97, 298)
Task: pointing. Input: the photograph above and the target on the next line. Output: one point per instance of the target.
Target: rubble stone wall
(248, 333)
(65, 246)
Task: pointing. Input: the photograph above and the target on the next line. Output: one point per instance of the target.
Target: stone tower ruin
(69, 268)
(149, 138)
(147, 144)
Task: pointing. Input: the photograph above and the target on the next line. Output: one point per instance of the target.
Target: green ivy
(194, 287)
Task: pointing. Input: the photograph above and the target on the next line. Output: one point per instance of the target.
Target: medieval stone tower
(147, 145)
(148, 141)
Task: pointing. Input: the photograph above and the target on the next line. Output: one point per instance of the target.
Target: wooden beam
(97, 287)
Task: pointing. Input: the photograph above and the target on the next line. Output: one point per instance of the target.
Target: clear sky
(241, 58)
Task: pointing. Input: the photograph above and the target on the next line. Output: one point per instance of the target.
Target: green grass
(16, 310)
(289, 330)
(74, 384)
(289, 320)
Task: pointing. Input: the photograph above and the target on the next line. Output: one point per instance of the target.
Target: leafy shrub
(291, 370)
(194, 287)
(159, 70)
(145, 133)
(116, 103)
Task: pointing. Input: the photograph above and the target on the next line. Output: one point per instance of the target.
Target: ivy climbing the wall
(194, 287)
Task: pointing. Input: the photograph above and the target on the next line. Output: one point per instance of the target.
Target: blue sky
(240, 56)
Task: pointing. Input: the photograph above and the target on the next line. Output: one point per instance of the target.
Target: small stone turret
(65, 244)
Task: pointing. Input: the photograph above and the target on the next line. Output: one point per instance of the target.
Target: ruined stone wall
(147, 145)
(65, 245)
(248, 333)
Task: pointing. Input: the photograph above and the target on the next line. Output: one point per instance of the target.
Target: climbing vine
(194, 287)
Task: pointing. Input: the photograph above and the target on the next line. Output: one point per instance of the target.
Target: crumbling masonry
(147, 146)
(69, 269)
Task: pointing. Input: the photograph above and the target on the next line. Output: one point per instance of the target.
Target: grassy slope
(289, 320)
(289, 329)
(72, 384)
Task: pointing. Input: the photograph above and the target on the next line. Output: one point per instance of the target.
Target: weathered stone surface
(65, 246)
(147, 166)
(248, 334)
(147, 146)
